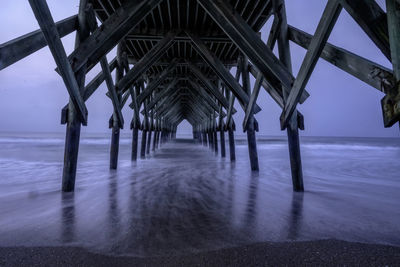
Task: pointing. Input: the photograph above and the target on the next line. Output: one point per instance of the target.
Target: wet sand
(310, 253)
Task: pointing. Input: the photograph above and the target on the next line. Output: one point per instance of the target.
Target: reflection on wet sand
(183, 200)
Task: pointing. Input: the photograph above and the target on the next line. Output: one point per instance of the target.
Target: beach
(185, 206)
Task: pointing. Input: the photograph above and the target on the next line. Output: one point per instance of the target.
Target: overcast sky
(32, 94)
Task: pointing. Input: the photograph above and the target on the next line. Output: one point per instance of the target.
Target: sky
(32, 94)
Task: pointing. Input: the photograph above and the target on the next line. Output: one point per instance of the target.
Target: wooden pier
(174, 62)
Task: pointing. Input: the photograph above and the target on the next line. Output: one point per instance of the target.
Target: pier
(192, 60)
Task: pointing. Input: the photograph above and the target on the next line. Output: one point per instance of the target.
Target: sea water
(185, 199)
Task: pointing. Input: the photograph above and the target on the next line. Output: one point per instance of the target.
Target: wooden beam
(232, 98)
(155, 83)
(248, 41)
(276, 96)
(253, 99)
(372, 19)
(220, 70)
(49, 29)
(111, 32)
(210, 87)
(90, 88)
(147, 61)
(325, 26)
(162, 94)
(111, 90)
(205, 96)
(359, 67)
(21, 47)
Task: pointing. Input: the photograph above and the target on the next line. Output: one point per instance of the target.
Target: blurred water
(185, 199)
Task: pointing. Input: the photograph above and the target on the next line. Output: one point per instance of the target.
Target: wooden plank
(111, 32)
(147, 61)
(359, 67)
(247, 41)
(49, 29)
(325, 26)
(372, 19)
(21, 47)
(220, 70)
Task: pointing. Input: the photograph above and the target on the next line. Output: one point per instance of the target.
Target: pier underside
(193, 59)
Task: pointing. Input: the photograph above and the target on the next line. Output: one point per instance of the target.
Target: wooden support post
(232, 144)
(292, 129)
(148, 141)
(135, 124)
(155, 136)
(143, 147)
(222, 140)
(135, 136)
(73, 130)
(116, 124)
(210, 139)
(114, 146)
(204, 138)
(215, 142)
(151, 127)
(251, 132)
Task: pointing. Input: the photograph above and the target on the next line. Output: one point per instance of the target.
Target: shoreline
(322, 252)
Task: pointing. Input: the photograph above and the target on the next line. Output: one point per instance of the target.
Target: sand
(310, 253)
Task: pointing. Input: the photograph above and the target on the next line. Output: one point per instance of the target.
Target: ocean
(185, 199)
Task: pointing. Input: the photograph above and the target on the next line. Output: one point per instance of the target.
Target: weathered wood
(143, 147)
(209, 86)
(292, 129)
(372, 19)
(325, 26)
(232, 97)
(147, 61)
(112, 91)
(21, 47)
(111, 32)
(247, 40)
(232, 144)
(164, 92)
(156, 82)
(253, 98)
(215, 142)
(359, 67)
(73, 128)
(251, 133)
(135, 136)
(221, 71)
(116, 123)
(49, 29)
(90, 88)
(206, 97)
(222, 139)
